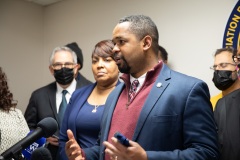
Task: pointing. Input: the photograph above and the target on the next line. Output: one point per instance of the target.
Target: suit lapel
(77, 103)
(82, 81)
(107, 116)
(157, 90)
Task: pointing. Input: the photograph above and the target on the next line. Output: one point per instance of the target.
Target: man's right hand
(73, 150)
(53, 141)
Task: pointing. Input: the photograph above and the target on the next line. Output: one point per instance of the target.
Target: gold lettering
(230, 40)
(231, 29)
(238, 9)
(228, 45)
(229, 33)
(233, 25)
(236, 18)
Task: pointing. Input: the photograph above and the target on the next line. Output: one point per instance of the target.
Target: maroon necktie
(133, 89)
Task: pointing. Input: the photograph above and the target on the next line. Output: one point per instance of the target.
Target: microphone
(41, 153)
(45, 128)
(27, 152)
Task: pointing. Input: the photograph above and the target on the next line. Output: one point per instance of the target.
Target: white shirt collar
(71, 88)
(140, 79)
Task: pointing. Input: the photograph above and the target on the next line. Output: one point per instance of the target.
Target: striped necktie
(133, 89)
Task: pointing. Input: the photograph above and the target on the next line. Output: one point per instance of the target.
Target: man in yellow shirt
(225, 76)
(215, 98)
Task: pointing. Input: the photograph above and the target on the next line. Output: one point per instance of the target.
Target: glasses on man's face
(221, 66)
(236, 58)
(58, 66)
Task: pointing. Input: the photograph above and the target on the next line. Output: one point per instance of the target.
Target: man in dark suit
(225, 73)
(167, 116)
(46, 101)
(227, 117)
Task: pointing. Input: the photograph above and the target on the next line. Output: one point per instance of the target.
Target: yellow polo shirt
(215, 98)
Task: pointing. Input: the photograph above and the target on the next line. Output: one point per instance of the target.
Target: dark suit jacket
(176, 121)
(227, 117)
(78, 99)
(42, 104)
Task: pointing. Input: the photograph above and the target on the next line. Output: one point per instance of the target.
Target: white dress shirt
(140, 80)
(70, 90)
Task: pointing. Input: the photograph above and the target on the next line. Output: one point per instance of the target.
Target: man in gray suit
(46, 101)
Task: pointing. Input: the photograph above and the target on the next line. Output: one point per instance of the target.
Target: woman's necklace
(95, 108)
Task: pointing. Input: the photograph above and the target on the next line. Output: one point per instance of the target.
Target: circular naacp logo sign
(231, 35)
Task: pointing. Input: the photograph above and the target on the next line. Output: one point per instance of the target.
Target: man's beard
(124, 67)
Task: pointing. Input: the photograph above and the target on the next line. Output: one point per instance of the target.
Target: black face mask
(223, 79)
(64, 75)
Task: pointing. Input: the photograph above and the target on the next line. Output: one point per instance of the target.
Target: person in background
(165, 115)
(225, 76)
(13, 126)
(79, 77)
(162, 54)
(227, 114)
(236, 59)
(84, 112)
(51, 100)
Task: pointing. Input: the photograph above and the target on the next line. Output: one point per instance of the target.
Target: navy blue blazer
(77, 100)
(176, 121)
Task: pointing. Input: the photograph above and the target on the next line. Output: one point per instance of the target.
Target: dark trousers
(54, 151)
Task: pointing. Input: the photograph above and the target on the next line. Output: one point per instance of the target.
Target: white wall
(21, 47)
(190, 30)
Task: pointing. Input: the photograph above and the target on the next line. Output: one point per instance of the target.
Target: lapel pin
(159, 84)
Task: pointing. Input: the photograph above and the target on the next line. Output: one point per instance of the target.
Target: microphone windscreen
(49, 126)
(45, 128)
(41, 153)
(27, 152)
